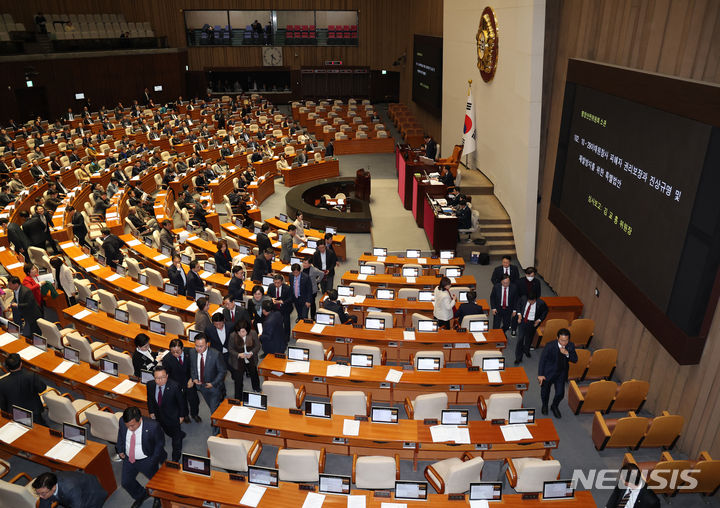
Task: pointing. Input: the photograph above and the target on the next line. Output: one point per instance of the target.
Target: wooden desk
(422, 186)
(461, 385)
(339, 243)
(431, 266)
(309, 172)
(178, 489)
(390, 281)
(93, 459)
(441, 230)
(247, 237)
(369, 145)
(453, 344)
(411, 439)
(262, 188)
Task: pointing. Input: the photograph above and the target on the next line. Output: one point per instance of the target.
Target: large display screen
(630, 192)
(427, 73)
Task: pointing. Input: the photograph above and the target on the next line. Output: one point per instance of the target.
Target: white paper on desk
(313, 500)
(277, 245)
(205, 275)
(410, 280)
(82, 314)
(7, 338)
(63, 367)
(124, 387)
(422, 261)
(394, 376)
(67, 245)
(515, 432)
(286, 269)
(192, 307)
(317, 328)
(140, 288)
(30, 352)
(113, 277)
(240, 414)
(381, 259)
(64, 451)
(308, 250)
(183, 236)
(408, 334)
(494, 376)
(80, 258)
(453, 280)
(133, 243)
(93, 268)
(164, 308)
(479, 337)
(479, 503)
(337, 370)
(444, 261)
(393, 505)
(356, 501)
(297, 367)
(253, 495)
(11, 431)
(252, 237)
(192, 238)
(13, 266)
(97, 378)
(362, 276)
(351, 428)
(161, 258)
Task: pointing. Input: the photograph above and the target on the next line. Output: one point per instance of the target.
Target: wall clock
(272, 56)
(487, 44)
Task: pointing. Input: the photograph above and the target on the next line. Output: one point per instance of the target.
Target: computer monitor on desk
(331, 230)
(71, 354)
(298, 353)
(109, 367)
(385, 294)
(142, 279)
(170, 289)
(195, 464)
(427, 363)
(486, 491)
(410, 271)
(479, 325)
(209, 267)
(425, 296)
(558, 489)
(379, 251)
(312, 244)
(39, 341)
(13, 329)
(346, 291)
(146, 376)
(493, 364)
(265, 476)
(255, 400)
(122, 315)
(91, 304)
(411, 490)
(384, 415)
(157, 327)
(334, 484)
(521, 416)
(318, 409)
(267, 280)
(185, 259)
(74, 433)
(325, 319)
(361, 360)
(367, 269)
(374, 323)
(22, 416)
(454, 417)
(447, 254)
(283, 218)
(412, 253)
(453, 271)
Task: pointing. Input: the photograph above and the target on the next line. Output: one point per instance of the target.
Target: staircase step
(502, 252)
(496, 244)
(493, 237)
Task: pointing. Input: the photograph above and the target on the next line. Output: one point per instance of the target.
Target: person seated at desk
(464, 215)
(331, 303)
(256, 157)
(143, 358)
(282, 163)
(21, 388)
(469, 308)
(329, 149)
(300, 157)
(446, 177)
(223, 260)
(430, 147)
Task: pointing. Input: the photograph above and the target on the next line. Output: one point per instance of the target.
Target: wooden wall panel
(679, 38)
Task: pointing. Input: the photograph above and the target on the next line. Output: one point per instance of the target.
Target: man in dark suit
(262, 265)
(141, 446)
(166, 404)
(24, 306)
(36, 231)
(236, 288)
(329, 149)
(207, 369)
(282, 299)
(503, 300)
(111, 245)
(505, 268)
(263, 240)
(553, 369)
(177, 363)
(70, 489)
(79, 228)
(194, 282)
(332, 304)
(529, 283)
(218, 334)
(177, 275)
(531, 311)
(273, 331)
(469, 308)
(325, 259)
(631, 491)
(21, 388)
(232, 313)
(302, 291)
(17, 235)
(430, 147)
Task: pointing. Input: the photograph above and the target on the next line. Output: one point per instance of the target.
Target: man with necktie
(632, 491)
(177, 363)
(177, 275)
(302, 290)
(553, 369)
(166, 405)
(506, 268)
(232, 313)
(70, 489)
(207, 371)
(531, 311)
(141, 446)
(503, 299)
(282, 299)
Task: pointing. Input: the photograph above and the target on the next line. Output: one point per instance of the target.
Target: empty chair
(62, 408)
(351, 403)
(173, 323)
(300, 465)
(416, 317)
(472, 317)
(385, 316)
(377, 355)
(39, 258)
(214, 295)
(133, 267)
(529, 474)
(123, 359)
(90, 352)
(84, 289)
(233, 454)
(659, 474)
(577, 370)
(51, 333)
(408, 293)
(548, 331)
(379, 267)
(375, 472)
(13, 494)
(664, 430)
(582, 331)
(439, 355)
(454, 475)
(154, 278)
(426, 406)
(108, 303)
(283, 394)
(103, 422)
(498, 405)
(316, 349)
(596, 396)
(602, 364)
(361, 288)
(139, 314)
(477, 357)
(626, 432)
(630, 396)
(706, 472)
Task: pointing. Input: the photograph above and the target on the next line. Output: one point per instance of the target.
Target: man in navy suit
(207, 369)
(530, 312)
(302, 290)
(282, 299)
(177, 275)
(166, 405)
(194, 282)
(553, 369)
(141, 446)
(177, 363)
(273, 331)
(503, 299)
(505, 268)
(468, 308)
(71, 489)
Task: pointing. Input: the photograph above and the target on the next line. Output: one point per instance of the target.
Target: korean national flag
(469, 126)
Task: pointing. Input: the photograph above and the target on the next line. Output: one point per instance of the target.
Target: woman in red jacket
(31, 282)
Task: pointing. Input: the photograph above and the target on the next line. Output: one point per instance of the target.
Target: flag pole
(466, 155)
